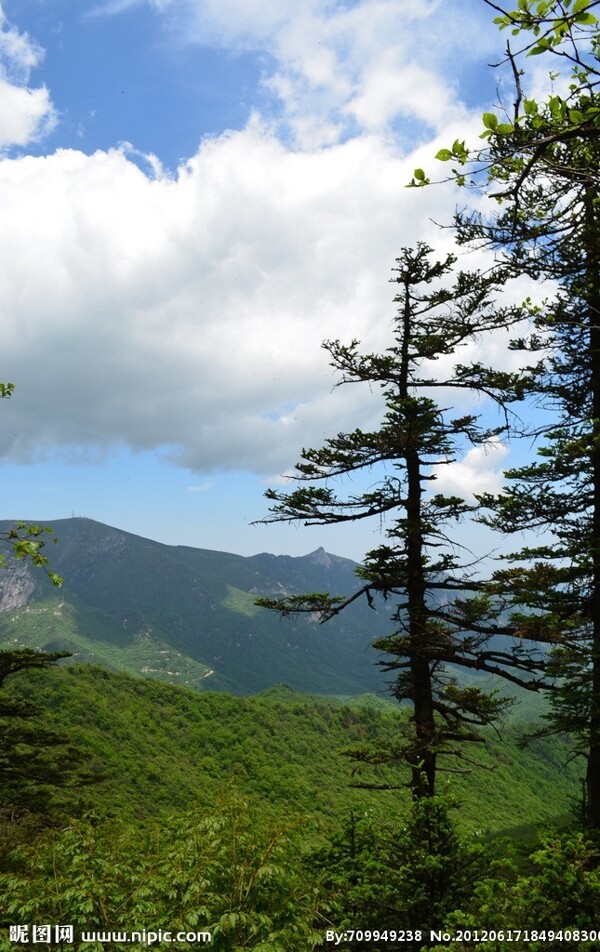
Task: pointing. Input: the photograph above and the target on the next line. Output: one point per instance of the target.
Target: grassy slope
(55, 625)
(165, 747)
(200, 603)
(237, 646)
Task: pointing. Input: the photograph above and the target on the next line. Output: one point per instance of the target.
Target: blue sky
(195, 194)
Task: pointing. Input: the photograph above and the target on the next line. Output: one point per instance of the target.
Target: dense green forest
(186, 615)
(154, 747)
(244, 816)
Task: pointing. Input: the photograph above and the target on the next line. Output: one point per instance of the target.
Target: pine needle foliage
(442, 612)
(543, 169)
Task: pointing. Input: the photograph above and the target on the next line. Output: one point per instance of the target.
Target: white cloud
(188, 313)
(391, 88)
(19, 54)
(26, 114)
(333, 66)
(480, 471)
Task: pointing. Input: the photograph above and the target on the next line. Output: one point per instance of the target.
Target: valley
(188, 615)
(194, 739)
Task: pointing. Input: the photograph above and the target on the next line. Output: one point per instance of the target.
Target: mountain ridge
(163, 747)
(196, 606)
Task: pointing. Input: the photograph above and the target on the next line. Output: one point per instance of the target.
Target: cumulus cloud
(362, 65)
(186, 312)
(337, 67)
(26, 114)
(480, 471)
(391, 89)
(19, 53)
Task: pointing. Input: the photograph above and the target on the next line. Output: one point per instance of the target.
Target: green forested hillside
(240, 811)
(163, 747)
(234, 818)
(188, 616)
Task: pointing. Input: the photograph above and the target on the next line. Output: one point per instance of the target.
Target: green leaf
(443, 155)
(544, 44)
(490, 120)
(419, 178)
(459, 149)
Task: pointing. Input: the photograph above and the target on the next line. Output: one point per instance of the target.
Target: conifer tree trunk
(593, 317)
(543, 168)
(443, 615)
(423, 760)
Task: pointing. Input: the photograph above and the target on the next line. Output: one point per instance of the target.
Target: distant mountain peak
(320, 557)
(181, 613)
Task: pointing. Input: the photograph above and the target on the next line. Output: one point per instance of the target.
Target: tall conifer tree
(542, 164)
(442, 612)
